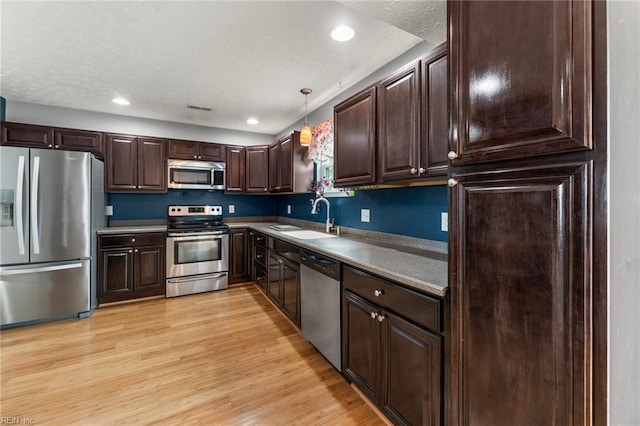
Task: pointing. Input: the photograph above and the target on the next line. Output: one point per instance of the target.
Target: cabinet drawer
(414, 306)
(261, 256)
(130, 240)
(260, 277)
(259, 239)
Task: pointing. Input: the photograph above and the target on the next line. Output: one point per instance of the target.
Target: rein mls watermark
(16, 420)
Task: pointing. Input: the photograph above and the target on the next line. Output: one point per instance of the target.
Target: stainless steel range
(197, 250)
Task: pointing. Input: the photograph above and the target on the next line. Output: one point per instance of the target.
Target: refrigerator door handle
(9, 271)
(34, 205)
(19, 195)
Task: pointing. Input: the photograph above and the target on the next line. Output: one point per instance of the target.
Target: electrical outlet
(232, 208)
(288, 209)
(108, 210)
(365, 215)
(444, 222)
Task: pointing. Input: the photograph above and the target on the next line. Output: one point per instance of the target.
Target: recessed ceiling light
(253, 121)
(342, 33)
(120, 101)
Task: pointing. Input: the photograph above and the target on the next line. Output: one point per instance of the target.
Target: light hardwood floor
(225, 358)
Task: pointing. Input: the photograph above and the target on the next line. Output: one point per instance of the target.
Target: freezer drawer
(44, 291)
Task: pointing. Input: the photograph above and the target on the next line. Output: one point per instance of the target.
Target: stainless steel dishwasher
(320, 304)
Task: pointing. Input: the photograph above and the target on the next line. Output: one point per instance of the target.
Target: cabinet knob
(374, 315)
(133, 240)
(378, 292)
(50, 146)
(56, 146)
(195, 156)
(452, 155)
(452, 182)
(135, 251)
(199, 157)
(421, 170)
(414, 170)
(130, 251)
(265, 190)
(382, 317)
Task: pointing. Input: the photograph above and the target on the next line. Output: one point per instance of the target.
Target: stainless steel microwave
(187, 174)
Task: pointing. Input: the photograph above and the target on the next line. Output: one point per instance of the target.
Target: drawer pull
(374, 315)
(382, 317)
(378, 293)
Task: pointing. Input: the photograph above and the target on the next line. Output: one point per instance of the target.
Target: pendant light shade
(305, 133)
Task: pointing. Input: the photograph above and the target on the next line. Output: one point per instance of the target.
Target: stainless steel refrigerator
(52, 203)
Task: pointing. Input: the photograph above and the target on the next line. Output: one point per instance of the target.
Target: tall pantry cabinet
(527, 250)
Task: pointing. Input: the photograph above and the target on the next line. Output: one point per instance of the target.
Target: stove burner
(196, 219)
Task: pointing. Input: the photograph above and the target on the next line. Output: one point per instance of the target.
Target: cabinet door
(524, 87)
(361, 345)
(435, 114)
(238, 271)
(79, 140)
(149, 279)
(116, 274)
(183, 150)
(27, 135)
(521, 296)
(411, 372)
(291, 291)
(257, 169)
(355, 139)
(399, 125)
(211, 152)
(286, 164)
(121, 163)
(152, 165)
(274, 167)
(235, 169)
(274, 279)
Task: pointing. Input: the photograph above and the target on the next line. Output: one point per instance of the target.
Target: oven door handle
(196, 278)
(196, 237)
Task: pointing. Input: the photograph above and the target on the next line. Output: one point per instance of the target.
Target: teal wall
(413, 211)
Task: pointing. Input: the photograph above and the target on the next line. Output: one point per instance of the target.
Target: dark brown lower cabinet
(396, 364)
(131, 266)
(283, 286)
(521, 296)
(238, 256)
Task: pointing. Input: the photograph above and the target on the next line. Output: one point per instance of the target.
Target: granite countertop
(423, 270)
(132, 229)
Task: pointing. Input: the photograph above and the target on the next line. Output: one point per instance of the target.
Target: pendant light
(305, 133)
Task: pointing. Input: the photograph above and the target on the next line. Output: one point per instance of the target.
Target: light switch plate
(288, 209)
(365, 215)
(232, 208)
(108, 210)
(444, 222)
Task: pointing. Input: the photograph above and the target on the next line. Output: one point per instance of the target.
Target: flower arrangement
(318, 186)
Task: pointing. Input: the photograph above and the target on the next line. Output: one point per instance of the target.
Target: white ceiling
(243, 59)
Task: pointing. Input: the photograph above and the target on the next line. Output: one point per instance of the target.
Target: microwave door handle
(19, 194)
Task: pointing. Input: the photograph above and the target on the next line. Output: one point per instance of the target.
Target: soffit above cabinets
(242, 59)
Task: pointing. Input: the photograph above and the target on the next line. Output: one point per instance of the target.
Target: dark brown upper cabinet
(399, 124)
(191, 150)
(32, 136)
(290, 169)
(521, 79)
(257, 169)
(79, 140)
(355, 139)
(27, 135)
(234, 172)
(135, 164)
(434, 116)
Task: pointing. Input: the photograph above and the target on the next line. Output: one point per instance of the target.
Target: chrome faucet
(314, 210)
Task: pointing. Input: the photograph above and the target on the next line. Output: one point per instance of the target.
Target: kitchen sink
(307, 235)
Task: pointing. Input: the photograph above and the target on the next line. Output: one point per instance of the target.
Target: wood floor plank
(226, 358)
